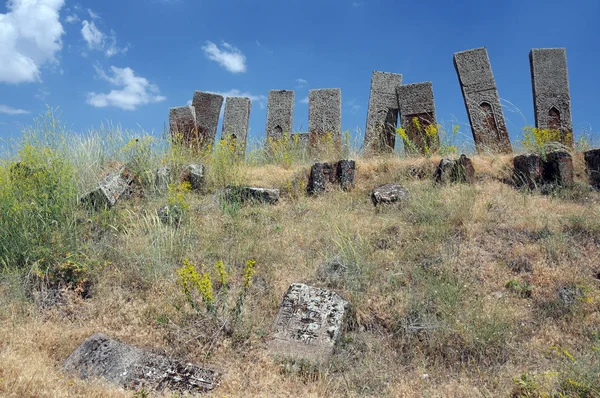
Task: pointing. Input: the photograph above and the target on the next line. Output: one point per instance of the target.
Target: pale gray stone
(482, 101)
(235, 121)
(183, 124)
(280, 113)
(208, 108)
(134, 368)
(416, 101)
(551, 93)
(162, 179)
(309, 323)
(382, 115)
(110, 189)
(388, 193)
(194, 173)
(325, 115)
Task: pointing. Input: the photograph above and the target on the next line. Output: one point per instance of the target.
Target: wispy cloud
(354, 107)
(92, 14)
(97, 40)
(228, 56)
(301, 83)
(73, 18)
(132, 90)
(9, 110)
(304, 100)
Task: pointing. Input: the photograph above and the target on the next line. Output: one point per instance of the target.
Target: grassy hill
(476, 290)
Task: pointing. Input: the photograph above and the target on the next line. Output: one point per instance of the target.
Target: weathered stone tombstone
(323, 174)
(382, 116)
(482, 101)
(417, 117)
(558, 168)
(325, 117)
(592, 165)
(134, 368)
(208, 108)
(527, 170)
(194, 174)
(252, 195)
(534, 172)
(110, 189)
(183, 125)
(280, 114)
(235, 122)
(388, 193)
(309, 323)
(551, 94)
(459, 170)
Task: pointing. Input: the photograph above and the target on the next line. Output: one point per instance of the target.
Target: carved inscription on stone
(382, 116)
(309, 323)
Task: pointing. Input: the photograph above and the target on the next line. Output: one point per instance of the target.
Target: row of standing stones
(389, 98)
(310, 320)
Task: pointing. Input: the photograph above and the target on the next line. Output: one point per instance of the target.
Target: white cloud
(304, 100)
(96, 40)
(228, 57)
(73, 18)
(353, 105)
(300, 83)
(12, 111)
(92, 14)
(132, 91)
(30, 36)
(260, 99)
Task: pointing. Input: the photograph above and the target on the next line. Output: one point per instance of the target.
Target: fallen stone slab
(323, 174)
(309, 323)
(592, 165)
(459, 170)
(388, 193)
(134, 368)
(110, 189)
(252, 195)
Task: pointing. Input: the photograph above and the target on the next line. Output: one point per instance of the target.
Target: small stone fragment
(110, 189)
(521, 264)
(388, 193)
(309, 323)
(194, 174)
(323, 174)
(252, 195)
(170, 215)
(345, 173)
(527, 170)
(162, 179)
(134, 368)
(592, 163)
(460, 170)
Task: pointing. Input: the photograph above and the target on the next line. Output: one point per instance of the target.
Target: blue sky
(129, 61)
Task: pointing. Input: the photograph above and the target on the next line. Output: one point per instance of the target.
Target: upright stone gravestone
(309, 323)
(382, 116)
(482, 101)
(325, 116)
(417, 117)
(208, 109)
(235, 122)
(182, 124)
(280, 114)
(551, 94)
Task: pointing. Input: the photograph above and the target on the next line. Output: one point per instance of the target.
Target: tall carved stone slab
(280, 113)
(325, 115)
(309, 323)
(551, 94)
(417, 113)
(182, 123)
(208, 109)
(235, 121)
(482, 101)
(382, 116)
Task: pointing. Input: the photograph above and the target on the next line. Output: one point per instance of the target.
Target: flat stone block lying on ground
(110, 189)
(309, 323)
(388, 193)
(134, 368)
(455, 170)
(252, 195)
(323, 174)
(592, 165)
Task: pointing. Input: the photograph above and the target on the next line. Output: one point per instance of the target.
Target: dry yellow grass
(445, 254)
